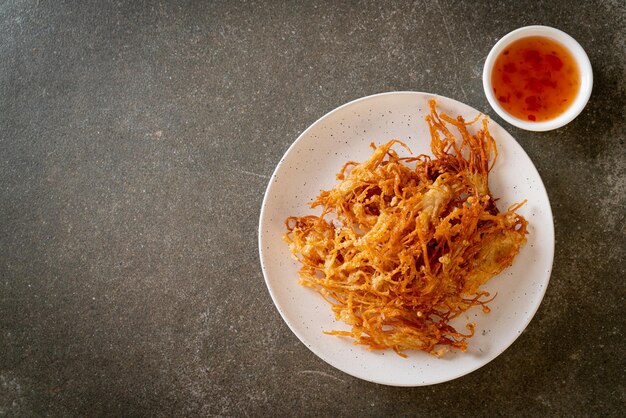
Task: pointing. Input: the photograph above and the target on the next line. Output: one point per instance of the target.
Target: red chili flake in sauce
(536, 79)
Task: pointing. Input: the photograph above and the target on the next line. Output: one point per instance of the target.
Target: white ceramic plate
(310, 165)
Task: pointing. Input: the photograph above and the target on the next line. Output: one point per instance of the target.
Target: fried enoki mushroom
(403, 245)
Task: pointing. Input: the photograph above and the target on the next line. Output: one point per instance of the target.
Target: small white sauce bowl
(584, 67)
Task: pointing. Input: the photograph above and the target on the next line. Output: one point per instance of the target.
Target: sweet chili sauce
(535, 79)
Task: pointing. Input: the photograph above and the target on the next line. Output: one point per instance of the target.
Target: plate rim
(303, 340)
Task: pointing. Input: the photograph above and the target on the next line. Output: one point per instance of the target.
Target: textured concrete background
(136, 142)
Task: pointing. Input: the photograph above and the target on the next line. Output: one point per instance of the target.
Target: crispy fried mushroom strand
(403, 245)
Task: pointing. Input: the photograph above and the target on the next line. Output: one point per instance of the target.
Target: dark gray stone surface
(136, 142)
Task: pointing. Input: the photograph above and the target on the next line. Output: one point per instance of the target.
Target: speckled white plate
(310, 165)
